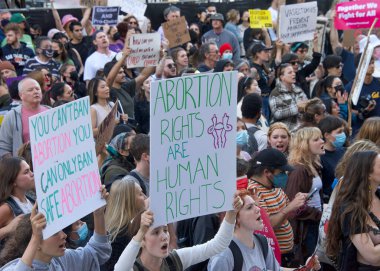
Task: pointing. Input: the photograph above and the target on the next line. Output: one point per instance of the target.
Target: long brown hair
(370, 130)
(352, 200)
(9, 170)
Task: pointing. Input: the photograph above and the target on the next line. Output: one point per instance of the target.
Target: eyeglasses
(132, 22)
(171, 66)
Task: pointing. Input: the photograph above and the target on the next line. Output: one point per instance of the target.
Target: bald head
(25, 83)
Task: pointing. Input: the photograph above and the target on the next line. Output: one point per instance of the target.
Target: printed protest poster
(105, 15)
(66, 169)
(298, 22)
(362, 70)
(105, 129)
(260, 18)
(145, 50)
(135, 7)
(176, 32)
(92, 3)
(358, 14)
(192, 146)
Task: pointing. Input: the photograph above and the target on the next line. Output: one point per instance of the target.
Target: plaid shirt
(283, 104)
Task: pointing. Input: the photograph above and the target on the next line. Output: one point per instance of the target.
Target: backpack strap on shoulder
(238, 256)
(263, 243)
(141, 182)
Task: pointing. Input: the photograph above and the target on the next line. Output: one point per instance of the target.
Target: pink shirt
(25, 114)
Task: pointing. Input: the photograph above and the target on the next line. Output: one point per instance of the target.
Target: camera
(364, 101)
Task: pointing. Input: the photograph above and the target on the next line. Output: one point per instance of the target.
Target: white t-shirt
(315, 200)
(26, 207)
(95, 62)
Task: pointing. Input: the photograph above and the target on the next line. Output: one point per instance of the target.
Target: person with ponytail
(312, 113)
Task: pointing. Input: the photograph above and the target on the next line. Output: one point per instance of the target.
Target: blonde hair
(278, 125)
(300, 152)
(370, 130)
(232, 15)
(121, 207)
(360, 145)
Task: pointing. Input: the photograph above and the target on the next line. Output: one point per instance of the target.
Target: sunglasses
(293, 63)
(171, 66)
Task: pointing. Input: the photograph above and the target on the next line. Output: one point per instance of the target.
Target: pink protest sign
(358, 14)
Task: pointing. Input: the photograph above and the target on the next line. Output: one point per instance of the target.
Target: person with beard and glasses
(100, 57)
(166, 68)
(120, 161)
(14, 130)
(20, 20)
(15, 51)
(70, 76)
(43, 59)
(209, 55)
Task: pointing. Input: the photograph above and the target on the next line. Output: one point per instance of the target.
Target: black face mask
(47, 52)
(116, 36)
(55, 53)
(74, 76)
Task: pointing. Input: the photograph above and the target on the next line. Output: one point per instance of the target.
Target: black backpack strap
(14, 206)
(137, 266)
(171, 264)
(253, 146)
(263, 243)
(238, 256)
(141, 182)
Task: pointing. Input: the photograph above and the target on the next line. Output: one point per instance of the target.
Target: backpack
(141, 181)
(252, 145)
(238, 256)
(171, 263)
(14, 206)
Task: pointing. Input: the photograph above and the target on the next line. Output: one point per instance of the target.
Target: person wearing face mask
(77, 234)
(265, 176)
(225, 51)
(119, 163)
(70, 76)
(332, 129)
(241, 141)
(43, 59)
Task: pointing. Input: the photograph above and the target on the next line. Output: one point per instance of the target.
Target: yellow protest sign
(260, 18)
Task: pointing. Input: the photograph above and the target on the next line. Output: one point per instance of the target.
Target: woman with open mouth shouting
(151, 245)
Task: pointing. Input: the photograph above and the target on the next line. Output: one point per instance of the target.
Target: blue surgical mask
(82, 233)
(242, 138)
(340, 139)
(227, 56)
(280, 180)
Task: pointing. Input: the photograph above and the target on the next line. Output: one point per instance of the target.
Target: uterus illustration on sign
(219, 129)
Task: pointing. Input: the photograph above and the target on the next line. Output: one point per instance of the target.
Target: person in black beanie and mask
(70, 76)
(43, 59)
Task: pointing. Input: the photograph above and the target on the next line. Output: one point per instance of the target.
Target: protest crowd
(306, 149)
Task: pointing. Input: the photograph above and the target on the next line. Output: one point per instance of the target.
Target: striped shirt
(273, 200)
(34, 63)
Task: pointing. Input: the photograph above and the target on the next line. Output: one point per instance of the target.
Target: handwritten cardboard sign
(358, 14)
(176, 32)
(192, 146)
(297, 22)
(66, 169)
(133, 7)
(105, 15)
(260, 18)
(145, 50)
(105, 129)
(92, 3)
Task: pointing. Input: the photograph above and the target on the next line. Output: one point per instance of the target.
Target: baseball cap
(258, 47)
(68, 18)
(272, 158)
(217, 16)
(6, 65)
(297, 45)
(17, 18)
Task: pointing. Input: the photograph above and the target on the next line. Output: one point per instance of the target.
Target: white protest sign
(366, 59)
(66, 169)
(297, 22)
(192, 146)
(145, 50)
(133, 7)
(105, 15)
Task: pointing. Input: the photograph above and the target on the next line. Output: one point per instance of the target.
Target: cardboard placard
(105, 15)
(348, 38)
(176, 32)
(192, 140)
(105, 129)
(145, 50)
(92, 3)
(260, 18)
(358, 14)
(66, 169)
(133, 7)
(297, 22)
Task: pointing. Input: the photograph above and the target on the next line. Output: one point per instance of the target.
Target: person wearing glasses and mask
(43, 59)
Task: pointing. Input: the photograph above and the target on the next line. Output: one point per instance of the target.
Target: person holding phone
(306, 148)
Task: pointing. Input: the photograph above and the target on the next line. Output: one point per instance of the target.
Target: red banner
(358, 14)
